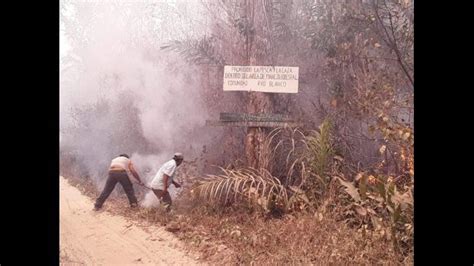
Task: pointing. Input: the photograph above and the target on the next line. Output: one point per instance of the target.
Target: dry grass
(239, 235)
(292, 239)
(84, 185)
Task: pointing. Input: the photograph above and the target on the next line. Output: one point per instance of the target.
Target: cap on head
(178, 156)
(124, 155)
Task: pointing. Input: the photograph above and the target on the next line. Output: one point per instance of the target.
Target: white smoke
(150, 200)
(120, 93)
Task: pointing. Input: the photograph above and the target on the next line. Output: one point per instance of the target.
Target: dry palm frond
(257, 187)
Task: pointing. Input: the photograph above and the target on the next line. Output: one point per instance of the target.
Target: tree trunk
(258, 102)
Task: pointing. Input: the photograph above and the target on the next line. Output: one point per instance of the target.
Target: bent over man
(164, 178)
(119, 172)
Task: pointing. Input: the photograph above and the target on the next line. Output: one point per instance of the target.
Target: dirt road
(98, 238)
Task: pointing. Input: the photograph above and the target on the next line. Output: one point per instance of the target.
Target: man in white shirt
(121, 168)
(164, 178)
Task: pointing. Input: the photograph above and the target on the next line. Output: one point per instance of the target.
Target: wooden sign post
(258, 81)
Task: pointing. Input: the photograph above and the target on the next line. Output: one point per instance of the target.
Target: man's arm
(134, 173)
(165, 182)
(176, 184)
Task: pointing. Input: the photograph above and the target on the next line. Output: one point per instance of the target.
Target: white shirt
(168, 168)
(122, 162)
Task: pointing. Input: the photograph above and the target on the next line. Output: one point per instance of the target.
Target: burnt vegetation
(338, 189)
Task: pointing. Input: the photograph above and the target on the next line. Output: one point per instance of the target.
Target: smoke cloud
(119, 93)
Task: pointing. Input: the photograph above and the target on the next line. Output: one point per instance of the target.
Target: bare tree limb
(392, 42)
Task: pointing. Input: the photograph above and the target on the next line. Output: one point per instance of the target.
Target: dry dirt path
(99, 238)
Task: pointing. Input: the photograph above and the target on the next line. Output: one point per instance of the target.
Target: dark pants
(114, 177)
(163, 197)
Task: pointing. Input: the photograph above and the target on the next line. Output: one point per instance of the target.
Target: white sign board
(276, 79)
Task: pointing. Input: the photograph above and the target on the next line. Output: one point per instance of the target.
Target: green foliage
(321, 149)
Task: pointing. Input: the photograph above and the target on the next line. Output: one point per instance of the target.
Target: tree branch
(392, 42)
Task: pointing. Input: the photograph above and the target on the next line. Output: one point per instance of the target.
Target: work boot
(97, 208)
(133, 205)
